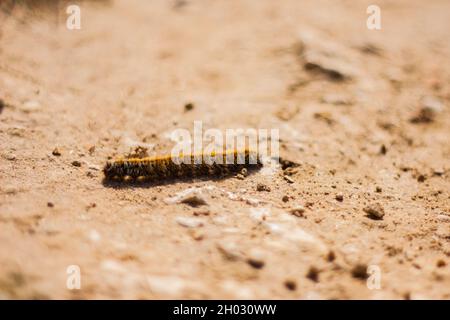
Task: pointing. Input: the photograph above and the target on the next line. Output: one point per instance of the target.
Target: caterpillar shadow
(108, 183)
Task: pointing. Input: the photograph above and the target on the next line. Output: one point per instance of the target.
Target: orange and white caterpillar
(159, 168)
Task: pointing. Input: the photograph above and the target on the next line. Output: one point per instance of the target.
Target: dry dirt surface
(364, 116)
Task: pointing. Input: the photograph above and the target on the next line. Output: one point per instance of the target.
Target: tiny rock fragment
(298, 211)
(194, 200)
(50, 204)
(255, 262)
(383, 149)
(229, 251)
(374, 211)
(188, 106)
(197, 234)
(91, 150)
(10, 157)
(201, 213)
(285, 198)
(189, 222)
(262, 187)
(359, 271)
(252, 201)
(441, 263)
(285, 164)
(421, 178)
(331, 256)
(288, 179)
(423, 116)
(56, 152)
(378, 189)
(290, 284)
(94, 167)
(76, 163)
(332, 72)
(313, 274)
(339, 197)
(430, 108)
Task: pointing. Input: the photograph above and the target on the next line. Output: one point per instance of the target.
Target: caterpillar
(160, 168)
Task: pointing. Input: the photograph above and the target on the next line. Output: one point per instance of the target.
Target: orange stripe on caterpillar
(165, 167)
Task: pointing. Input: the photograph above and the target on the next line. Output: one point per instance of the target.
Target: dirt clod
(298, 211)
(313, 274)
(256, 263)
(290, 284)
(262, 187)
(56, 152)
(359, 271)
(76, 163)
(188, 106)
(375, 211)
(194, 200)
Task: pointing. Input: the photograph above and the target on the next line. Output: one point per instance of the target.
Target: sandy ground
(365, 115)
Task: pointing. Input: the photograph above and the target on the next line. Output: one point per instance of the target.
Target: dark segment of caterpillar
(160, 168)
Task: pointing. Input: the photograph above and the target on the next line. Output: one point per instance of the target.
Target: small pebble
(339, 197)
(56, 152)
(298, 211)
(194, 200)
(359, 271)
(374, 211)
(91, 150)
(50, 204)
(10, 157)
(290, 284)
(441, 263)
(188, 106)
(197, 235)
(201, 213)
(331, 256)
(288, 179)
(262, 187)
(229, 251)
(285, 199)
(313, 274)
(430, 108)
(378, 189)
(76, 163)
(256, 263)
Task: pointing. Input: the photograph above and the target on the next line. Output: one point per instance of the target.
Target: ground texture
(364, 115)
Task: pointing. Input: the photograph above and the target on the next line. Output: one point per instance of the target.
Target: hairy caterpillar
(158, 168)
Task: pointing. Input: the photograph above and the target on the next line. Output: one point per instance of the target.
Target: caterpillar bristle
(160, 168)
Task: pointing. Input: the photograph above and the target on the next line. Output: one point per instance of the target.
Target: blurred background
(363, 113)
